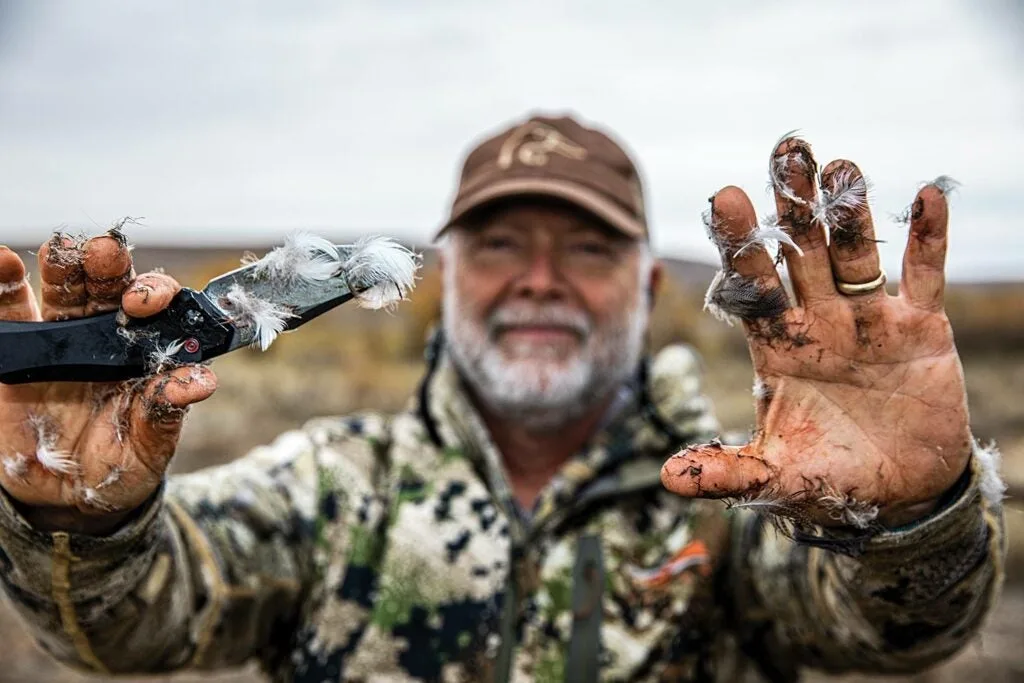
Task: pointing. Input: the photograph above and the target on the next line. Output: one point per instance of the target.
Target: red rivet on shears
(191, 345)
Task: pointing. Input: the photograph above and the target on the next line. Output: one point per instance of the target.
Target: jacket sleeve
(211, 573)
(908, 599)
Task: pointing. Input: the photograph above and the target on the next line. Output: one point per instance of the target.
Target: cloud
(237, 121)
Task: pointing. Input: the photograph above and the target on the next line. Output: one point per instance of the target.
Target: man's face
(545, 310)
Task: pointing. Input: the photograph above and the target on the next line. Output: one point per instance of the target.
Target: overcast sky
(237, 121)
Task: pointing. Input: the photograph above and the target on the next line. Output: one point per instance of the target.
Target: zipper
(509, 617)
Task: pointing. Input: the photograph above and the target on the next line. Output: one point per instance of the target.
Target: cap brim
(602, 207)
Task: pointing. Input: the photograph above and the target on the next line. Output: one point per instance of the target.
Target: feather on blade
(265, 320)
(380, 271)
(304, 256)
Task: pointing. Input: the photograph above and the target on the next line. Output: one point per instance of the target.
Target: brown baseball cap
(554, 157)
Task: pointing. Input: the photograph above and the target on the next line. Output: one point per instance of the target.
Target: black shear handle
(100, 349)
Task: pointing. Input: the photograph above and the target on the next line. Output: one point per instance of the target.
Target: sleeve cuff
(966, 494)
(105, 568)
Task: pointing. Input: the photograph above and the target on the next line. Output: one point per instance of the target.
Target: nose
(541, 279)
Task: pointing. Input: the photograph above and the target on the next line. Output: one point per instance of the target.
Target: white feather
(769, 231)
(714, 309)
(766, 501)
(92, 498)
(849, 192)
(54, 460)
(717, 238)
(263, 319)
(47, 453)
(849, 510)
(946, 184)
(196, 374)
(112, 478)
(8, 287)
(777, 166)
(119, 416)
(303, 256)
(161, 358)
(760, 390)
(380, 272)
(15, 466)
(990, 483)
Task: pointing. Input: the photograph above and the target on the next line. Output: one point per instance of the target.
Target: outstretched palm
(861, 407)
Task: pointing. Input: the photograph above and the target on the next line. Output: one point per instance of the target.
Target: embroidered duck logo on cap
(534, 142)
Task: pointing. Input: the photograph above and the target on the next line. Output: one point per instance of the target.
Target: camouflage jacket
(374, 548)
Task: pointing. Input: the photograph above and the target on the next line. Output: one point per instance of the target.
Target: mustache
(547, 316)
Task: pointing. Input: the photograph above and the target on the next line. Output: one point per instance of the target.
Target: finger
(107, 263)
(63, 279)
(149, 294)
(749, 287)
(793, 175)
(158, 412)
(924, 279)
(844, 210)
(16, 299)
(735, 231)
(715, 471)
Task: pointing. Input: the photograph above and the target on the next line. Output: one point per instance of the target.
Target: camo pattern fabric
(376, 548)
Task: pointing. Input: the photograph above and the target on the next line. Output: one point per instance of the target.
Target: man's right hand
(81, 456)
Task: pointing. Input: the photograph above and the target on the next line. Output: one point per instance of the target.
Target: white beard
(535, 385)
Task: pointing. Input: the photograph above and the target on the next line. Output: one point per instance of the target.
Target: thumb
(716, 471)
(159, 411)
(149, 294)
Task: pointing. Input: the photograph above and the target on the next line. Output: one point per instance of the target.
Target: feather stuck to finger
(10, 287)
(760, 390)
(769, 233)
(15, 466)
(63, 250)
(777, 164)
(48, 455)
(717, 237)
(117, 230)
(844, 194)
(945, 184)
(732, 297)
(846, 509)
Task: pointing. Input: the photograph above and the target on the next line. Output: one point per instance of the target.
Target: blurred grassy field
(352, 359)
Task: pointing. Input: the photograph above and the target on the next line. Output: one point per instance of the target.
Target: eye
(593, 248)
(497, 242)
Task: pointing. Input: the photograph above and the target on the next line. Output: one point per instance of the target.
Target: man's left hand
(860, 401)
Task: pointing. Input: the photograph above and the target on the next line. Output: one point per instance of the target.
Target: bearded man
(544, 509)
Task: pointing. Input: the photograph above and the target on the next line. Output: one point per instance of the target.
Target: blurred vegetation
(352, 359)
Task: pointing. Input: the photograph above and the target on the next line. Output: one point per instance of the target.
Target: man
(541, 510)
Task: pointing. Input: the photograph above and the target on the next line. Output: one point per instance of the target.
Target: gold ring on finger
(862, 287)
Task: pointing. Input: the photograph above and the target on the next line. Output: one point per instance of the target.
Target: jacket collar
(656, 413)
